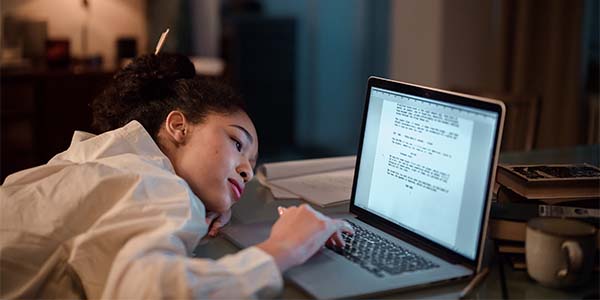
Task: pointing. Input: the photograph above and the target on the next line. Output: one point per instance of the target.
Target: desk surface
(258, 205)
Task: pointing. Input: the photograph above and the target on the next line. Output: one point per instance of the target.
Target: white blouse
(109, 218)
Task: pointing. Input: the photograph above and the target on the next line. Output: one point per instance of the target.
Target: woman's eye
(237, 144)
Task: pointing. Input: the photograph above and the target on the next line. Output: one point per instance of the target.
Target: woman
(118, 214)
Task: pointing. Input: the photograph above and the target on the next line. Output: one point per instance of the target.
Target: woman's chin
(218, 203)
(222, 207)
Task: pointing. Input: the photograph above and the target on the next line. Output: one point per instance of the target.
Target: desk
(258, 205)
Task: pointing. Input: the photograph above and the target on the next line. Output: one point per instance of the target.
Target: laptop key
(378, 255)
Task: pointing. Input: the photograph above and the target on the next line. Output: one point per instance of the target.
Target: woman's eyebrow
(245, 132)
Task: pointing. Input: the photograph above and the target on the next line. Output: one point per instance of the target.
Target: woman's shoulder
(126, 184)
(127, 152)
(128, 148)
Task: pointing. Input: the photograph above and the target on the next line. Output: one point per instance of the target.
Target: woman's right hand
(299, 233)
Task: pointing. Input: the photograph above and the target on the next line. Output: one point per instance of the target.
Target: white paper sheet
(285, 169)
(322, 181)
(280, 193)
(321, 189)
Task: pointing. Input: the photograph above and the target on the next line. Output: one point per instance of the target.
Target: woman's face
(217, 158)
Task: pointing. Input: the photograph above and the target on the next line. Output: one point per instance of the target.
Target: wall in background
(446, 45)
(500, 46)
(107, 21)
(471, 45)
(416, 41)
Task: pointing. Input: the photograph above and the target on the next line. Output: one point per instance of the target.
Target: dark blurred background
(302, 65)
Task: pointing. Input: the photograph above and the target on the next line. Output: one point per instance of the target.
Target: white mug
(560, 252)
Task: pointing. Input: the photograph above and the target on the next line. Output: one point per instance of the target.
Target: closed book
(520, 211)
(511, 247)
(553, 181)
(506, 195)
(507, 230)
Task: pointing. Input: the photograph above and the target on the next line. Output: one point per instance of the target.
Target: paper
(280, 193)
(322, 189)
(292, 168)
(423, 152)
(277, 192)
(323, 181)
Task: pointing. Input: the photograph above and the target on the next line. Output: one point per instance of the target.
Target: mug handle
(574, 256)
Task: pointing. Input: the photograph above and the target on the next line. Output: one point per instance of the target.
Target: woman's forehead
(237, 121)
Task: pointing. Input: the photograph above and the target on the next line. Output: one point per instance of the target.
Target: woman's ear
(176, 127)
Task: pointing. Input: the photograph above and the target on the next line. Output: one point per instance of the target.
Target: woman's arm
(299, 233)
(155, 266)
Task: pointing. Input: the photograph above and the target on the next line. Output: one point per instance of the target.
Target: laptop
(420, 199)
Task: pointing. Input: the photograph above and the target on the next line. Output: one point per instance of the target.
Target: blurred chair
(522, 118)
(593, 134)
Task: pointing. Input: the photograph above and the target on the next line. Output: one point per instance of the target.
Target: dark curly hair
(151, 86)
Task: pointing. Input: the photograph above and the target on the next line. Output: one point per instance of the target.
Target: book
(506, 195)
(506, 209)
(511, 247)
(515, 230)
(508, 218)
(555, 181)
(508, 230)
(322, 181)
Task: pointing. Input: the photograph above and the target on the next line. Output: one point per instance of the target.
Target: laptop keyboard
(378, 255)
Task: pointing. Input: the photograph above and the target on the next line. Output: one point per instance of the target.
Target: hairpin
(161, 41)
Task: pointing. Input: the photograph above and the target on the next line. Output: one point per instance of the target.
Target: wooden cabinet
(40, 110)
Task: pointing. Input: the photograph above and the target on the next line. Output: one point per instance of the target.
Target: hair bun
(153, 69)
(172, 67)
(150, 77)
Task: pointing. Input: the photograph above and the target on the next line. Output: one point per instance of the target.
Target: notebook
(420, 199)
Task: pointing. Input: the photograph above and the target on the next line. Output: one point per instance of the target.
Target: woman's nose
(246, 173)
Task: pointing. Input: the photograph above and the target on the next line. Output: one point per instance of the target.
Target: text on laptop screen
(425, 166)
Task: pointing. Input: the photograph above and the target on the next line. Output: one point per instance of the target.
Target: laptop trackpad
(322, 271)
(246, 235)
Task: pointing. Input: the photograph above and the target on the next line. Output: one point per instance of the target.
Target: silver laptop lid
(426, 164)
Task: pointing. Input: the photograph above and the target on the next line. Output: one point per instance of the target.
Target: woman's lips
(237, 189)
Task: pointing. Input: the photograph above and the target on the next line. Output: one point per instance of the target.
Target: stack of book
(529, 191)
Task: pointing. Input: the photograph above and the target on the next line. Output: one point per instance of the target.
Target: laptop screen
(425, 166)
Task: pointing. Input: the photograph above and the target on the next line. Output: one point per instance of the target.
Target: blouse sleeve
(144, 242)
(154, 265)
